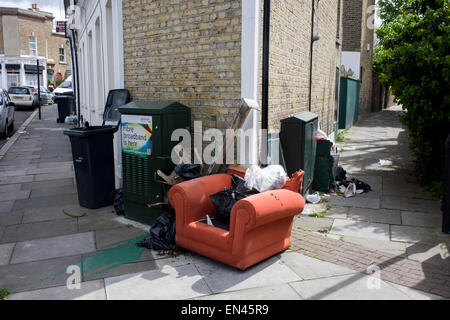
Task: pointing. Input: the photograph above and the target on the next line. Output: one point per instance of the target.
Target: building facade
(357, 47)
(25, 37)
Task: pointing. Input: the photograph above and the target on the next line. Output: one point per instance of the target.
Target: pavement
(20, 115)
(48, 242)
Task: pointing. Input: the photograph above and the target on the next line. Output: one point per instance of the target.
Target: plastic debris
(385, 163)
(270, 178)
(313, 198)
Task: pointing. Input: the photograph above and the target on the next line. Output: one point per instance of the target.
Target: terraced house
(208, 54)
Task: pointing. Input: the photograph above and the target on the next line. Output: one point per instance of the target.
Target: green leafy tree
(413, 59)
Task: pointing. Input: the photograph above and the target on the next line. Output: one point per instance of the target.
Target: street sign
(60, 26)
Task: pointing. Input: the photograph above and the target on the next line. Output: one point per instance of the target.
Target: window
(62, 55)
(33, 46)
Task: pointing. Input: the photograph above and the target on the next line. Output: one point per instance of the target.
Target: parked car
(46, 96)
(23, 97)
(6, 114)
(64, 88)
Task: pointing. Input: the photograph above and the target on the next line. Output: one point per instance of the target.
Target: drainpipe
(265, 76)
(77, 78)
(311, 55)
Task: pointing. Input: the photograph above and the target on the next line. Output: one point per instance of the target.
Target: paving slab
(6, 206)
(414, 294)
(98, 221)
(49, 170)
(5, 253)
(438, 254)
(90, 290)
(375, 215)
(361, 229)
(336, 212)
(356, 201)
(411, 204)
(37, 274)
(55, 164)
(63, 200)
(347, 287)
(10, 188)
(55, 247)
(12, 173)
(169, 283)
(418, 234)
(10, 218)
(15, 195)
(37, 230)
(421, 219)
(47, 214)
(114, 270)
(13, 180)
(396, 248)
(39, 185)
(55, 191)
(278, 292)
(393, 186)
(53, 176)
(310, 268)
(221, 278)
(312, 223)
(112, 238)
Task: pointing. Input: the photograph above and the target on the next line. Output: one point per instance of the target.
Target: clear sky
(54, 6)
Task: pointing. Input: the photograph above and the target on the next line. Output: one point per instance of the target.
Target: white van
(64, 88)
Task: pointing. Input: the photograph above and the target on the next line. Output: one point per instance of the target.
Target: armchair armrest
(191, 198)
(266, 207)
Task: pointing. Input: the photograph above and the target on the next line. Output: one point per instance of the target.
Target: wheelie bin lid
(116, 99)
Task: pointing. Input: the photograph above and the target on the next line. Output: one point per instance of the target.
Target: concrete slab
(356, 201)
(13, 180)
(55, 247)
(421, 219)
(361, 229)
(54, 191)
(91, 290)
(5, 253)
(221, 278)
(182, 282)
(63, 200)
(50, 170)
(6, 206)
(414, 294)
(438, 254)
(10, 218)
(337, 212)
(114, 269)
(10, 188)
(278, 292)
(395, 186)
(348, 287)
(418, 234)
(113, 238)
(36, 275)
(375, 215)
(55, 164)
(310, 268)
(15, 195)
(53, 176)
(12, 173)
(312, 223)
(39, 185)
(38, 230)
(396, 248)
(411, 204)
(98, 221)
(44, 214)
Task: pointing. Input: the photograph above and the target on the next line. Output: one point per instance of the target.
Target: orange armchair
(260, 225)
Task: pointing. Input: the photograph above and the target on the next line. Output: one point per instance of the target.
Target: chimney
(34, 6)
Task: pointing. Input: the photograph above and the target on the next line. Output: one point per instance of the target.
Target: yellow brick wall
(189, 51)
(290, 35)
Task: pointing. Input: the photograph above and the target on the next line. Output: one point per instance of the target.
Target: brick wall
(352, 21)
(1, 35)
(189, 51)
(56, 42)
(290, 60)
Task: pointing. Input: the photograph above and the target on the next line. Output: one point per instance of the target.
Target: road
(20, 117)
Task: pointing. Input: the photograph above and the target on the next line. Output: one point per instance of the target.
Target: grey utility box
(297, 137)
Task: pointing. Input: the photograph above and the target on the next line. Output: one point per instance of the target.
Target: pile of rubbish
(348, 188)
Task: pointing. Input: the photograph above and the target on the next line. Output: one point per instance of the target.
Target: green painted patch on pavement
(111, 256)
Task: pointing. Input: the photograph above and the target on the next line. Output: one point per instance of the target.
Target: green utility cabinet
(323, 171)
(348, 102)
(298, 141)
(146, 128)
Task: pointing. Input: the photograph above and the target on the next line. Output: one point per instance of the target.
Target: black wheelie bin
(93, 155)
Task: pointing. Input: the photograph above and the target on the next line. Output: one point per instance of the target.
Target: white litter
(208, 221)
(313, 198)
(385, 163)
